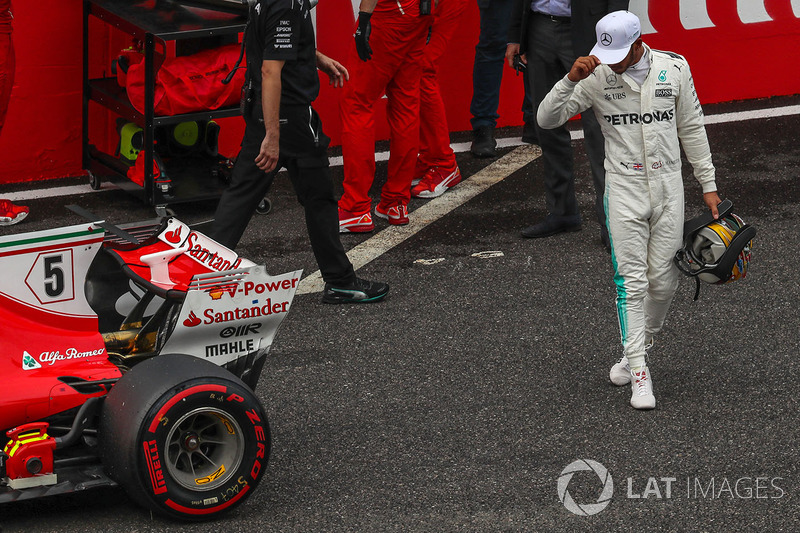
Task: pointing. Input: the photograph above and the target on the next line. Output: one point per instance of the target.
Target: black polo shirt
(282, 30)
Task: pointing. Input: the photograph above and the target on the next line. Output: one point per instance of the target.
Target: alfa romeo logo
(605, 39)
(585, 509)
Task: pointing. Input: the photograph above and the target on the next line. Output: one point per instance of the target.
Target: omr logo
(585, 509)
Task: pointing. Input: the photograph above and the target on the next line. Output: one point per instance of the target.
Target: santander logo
(192, 320)
(173, 236)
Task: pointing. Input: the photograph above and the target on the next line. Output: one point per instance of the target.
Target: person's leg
(666, 235)
(311, 180)
(627, 202)
(9, 212)
(402, 113)
(246, 189)
(435, 147)
(529, 134)
(547, 43)
(304, 149)
(368, 80)
(594, 143)
(7, 73)
(550, 42)
(314, 187)
(630, 211)
(487, 70)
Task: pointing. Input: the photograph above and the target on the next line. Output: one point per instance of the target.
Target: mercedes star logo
(605, 39)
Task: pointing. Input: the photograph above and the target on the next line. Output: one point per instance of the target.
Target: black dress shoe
(551, 225)
(483, 143)
(529, 134)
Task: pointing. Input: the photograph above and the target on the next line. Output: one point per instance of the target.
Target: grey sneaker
(642, 389)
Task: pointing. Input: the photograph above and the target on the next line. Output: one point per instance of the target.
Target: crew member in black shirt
(282, 130)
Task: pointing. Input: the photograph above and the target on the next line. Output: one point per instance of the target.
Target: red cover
(136, 172)
(187, 84)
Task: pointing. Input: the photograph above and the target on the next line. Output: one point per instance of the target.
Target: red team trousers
(7, 59)
(398, 43)
(434, 149)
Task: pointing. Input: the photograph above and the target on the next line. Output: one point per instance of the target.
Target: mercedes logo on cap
(605, 39)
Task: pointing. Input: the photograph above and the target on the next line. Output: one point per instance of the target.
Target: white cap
(616, 32)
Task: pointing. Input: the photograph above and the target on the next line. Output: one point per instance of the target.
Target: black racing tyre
(184, 437)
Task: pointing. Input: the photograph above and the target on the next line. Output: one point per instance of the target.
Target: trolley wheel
(94, 181)
(264, 206)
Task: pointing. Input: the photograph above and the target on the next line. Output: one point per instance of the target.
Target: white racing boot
(620, 373)
(642, 389)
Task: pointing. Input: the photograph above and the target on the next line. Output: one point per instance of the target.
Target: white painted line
(433, 210)
(489, 254)
(756, 114)
(505, 142)
(36, 194)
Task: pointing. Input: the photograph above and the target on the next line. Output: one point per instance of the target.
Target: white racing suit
(644, 189)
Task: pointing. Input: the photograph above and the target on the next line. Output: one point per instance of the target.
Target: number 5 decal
(50, 278)
(53, 275)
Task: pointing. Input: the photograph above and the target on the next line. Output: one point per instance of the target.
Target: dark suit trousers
(303, 152)
(550, 56)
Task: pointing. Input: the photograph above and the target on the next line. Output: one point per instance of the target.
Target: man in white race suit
(646, 103)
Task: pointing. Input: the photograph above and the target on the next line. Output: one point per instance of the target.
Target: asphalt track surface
(456, 404)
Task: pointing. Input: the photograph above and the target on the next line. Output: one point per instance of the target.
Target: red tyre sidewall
(166, 493)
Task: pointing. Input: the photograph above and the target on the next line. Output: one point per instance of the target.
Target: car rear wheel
(184, 437)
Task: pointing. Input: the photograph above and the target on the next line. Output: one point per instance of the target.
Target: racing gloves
(362, 36)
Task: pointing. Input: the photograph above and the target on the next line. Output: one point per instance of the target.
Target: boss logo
(663, 93)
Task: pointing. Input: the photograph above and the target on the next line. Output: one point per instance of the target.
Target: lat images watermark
(659, 487)
(585, 509)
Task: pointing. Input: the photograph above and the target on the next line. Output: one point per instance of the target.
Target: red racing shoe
(397, 214)
(435, 182)
(11, 214)
(419, 172)
(355, 222)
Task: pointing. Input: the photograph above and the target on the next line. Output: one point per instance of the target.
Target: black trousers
(303, 152)
(550, 57)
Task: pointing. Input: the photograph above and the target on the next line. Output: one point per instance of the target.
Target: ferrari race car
(128, 357)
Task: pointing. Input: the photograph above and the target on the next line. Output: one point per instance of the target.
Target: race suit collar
(638, 73)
